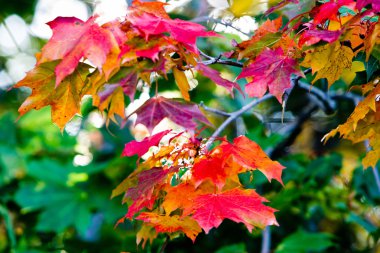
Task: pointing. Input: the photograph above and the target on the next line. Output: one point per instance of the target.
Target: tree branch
(214, 110)
(266, 240)
(217, 60)
(233, 116)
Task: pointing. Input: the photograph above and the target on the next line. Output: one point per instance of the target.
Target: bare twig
(11, 36)
(214, 110)
(233, 116)
(217, 60)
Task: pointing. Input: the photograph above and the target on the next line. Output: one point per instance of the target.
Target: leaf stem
(162, 249)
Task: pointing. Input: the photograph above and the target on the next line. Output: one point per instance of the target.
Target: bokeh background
(55, 186)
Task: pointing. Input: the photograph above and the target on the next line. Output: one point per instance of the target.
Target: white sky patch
(14, 36)
(174, 4)
(109, 10)
(96, 119)
(48, 10)
(19, 64)
(244, 25)
(5, 80)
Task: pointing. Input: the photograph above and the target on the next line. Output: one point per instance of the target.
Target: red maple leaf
(314, 35)
(270, 70)
(73, 39)
(245, 206)
(210, 169)
(180, 112)
(328, 11)
(182, 31)
(250, 155)
(141, 147)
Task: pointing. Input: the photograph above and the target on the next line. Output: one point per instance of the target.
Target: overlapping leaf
(237, 205)
(182, 113)
(73, 39)
(270, 70)
(64, 100)
(329, 61)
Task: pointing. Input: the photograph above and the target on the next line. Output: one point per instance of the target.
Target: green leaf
(234, 248)
(302, 242)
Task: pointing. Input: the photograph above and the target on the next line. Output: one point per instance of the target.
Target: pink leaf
(74, 39)
(182, 113)
(216, 78)
(141, 147)
(270, 70)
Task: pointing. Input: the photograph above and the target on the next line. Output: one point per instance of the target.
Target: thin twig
(162, 249)
(214, 110)
(326, 103)
(12, 37)
(233, 116)
(217, 60)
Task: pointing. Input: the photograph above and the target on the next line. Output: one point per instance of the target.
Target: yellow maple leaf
(329, 61)
(145, 234)
(241, 8)
(348, 75)
(362, 125)
(182, 83)
(171, 224)
(64, 99)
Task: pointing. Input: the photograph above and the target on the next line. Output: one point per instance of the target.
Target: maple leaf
(111, 98)
(266, 35)
(142, 194)
(250, 155)
(372, 38)
(64, 100)
(182, 113)
(182, 31)
(270, 70)
(171, 224)
(362, 125)
(245, 206)
(210, 169)
(141, 147)
(313, 36)
(156, 8)
(182, 83)
(73, 39)
(360, 4)
(145, 234)
(328, 11)
(329, 61)
(216, 78)
(179, 196)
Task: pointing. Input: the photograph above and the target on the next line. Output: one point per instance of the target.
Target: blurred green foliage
(49, 204)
